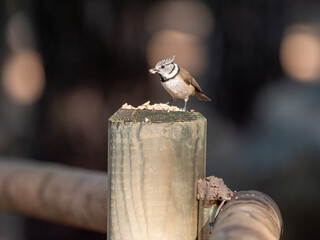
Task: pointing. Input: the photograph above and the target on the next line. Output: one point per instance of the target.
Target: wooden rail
(54, 192)
(249, 215)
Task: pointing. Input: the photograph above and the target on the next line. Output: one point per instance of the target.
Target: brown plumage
(186, 76)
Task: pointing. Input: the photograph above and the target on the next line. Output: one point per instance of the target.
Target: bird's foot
(170, 101)
(185, 105)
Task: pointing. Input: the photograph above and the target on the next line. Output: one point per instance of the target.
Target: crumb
(192, 110)
(157, 106)
(146, 119)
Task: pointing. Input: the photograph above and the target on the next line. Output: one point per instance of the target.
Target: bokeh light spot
(192, 17)
(300, 53)
(180, 28)
(190, 50)
(23, 77)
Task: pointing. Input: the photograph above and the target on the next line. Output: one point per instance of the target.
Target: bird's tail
(202, 97)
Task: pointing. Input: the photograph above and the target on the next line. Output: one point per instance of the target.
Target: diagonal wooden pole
(155, 161)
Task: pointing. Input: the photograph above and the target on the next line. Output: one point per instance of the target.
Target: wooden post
(155, 161)
(249, 215)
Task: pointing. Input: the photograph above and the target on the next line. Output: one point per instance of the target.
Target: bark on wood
(250, 215)
(155, 161)
(55, 193)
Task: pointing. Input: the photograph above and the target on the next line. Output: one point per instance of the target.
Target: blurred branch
(55, 193)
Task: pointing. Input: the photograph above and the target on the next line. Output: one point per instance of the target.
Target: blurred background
(66, 67)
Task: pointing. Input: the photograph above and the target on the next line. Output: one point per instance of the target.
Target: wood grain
(154, 167)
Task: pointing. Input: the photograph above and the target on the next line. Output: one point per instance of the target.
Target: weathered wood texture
(251, 215)
(55, 193)
(154, 166)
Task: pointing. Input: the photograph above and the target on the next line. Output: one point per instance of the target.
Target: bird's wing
(189, 79)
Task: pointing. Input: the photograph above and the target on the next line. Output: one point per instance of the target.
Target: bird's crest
(165, 61)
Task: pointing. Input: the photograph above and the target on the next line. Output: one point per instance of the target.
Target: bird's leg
(185, 104)
(170, 101)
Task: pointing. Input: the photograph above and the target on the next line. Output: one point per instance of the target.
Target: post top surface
(154, 116)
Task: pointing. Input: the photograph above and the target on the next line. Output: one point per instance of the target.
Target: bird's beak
(153, 70)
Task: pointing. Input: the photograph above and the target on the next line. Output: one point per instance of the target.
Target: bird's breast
(178, 88)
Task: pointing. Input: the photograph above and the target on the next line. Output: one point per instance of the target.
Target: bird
(177, 81)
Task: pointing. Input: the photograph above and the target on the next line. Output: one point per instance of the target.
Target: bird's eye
(162, 66)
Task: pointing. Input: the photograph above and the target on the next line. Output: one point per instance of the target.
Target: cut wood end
(213, 189)
(157, 113)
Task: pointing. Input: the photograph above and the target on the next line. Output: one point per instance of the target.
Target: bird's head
(165, 68)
